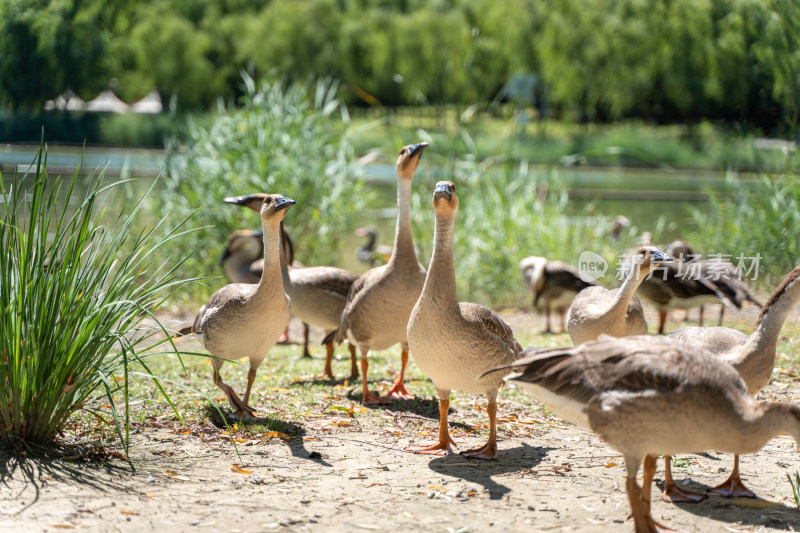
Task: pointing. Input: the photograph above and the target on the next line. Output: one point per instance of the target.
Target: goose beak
(238, 200)
(416, 149)
(442, 190)
(282, 202)
(660, 257)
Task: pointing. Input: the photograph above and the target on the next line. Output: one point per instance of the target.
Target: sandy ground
(357, 476)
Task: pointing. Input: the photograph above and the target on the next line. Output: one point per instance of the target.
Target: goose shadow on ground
(293, 430)
(480, 472)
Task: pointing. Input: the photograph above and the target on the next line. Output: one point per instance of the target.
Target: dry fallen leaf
(610, 464)
(278, 434)
(754, 503)
(128, 512)
(64, 525)
(174, 475)
(239, 470)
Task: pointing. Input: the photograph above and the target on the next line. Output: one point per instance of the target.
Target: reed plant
(77, 284)
(754, 218)
(287, 139)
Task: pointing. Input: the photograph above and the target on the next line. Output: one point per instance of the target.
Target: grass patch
(75, 288)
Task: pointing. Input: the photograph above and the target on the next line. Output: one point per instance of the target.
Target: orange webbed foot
(370, 398)
(733, 488)
(487, 451)
(435, 448)
(674, 494)
(399, 392)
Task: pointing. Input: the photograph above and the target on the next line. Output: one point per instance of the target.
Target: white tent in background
(108, 102)
(149, 104)
(67, 100)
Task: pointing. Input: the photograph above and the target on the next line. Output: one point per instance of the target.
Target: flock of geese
(687, 392)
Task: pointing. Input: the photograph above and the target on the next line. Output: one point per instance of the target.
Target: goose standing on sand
(318, 293)
(455, 342)
(245, 320)
(616, 312)
(647, 396)
(381, 300)
(753, 358)
(554, 282)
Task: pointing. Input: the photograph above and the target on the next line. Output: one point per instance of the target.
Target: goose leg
(547, 318)
(353, 364)
(488, 450)
(398, 389)
(662, 320)
(563, 314)
(672, 493)
(721, 313)
(445, 440)
(700, 320)
(367, 396)
(306, 331)
(733, 486)
(238, 405)
(284, 338)
(639, 498)
(327, 372)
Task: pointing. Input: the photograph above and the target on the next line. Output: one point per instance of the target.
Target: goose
(646, 396)
(245, 320)
(554, 282)
(242, 260)
(753, 357)
(722, 274)
(318, 294)
(617, 312)
(371, 253)
(380, 302)
(454, 342)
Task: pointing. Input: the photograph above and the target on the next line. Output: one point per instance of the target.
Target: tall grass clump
(291, 140)
(507, 212)
(758, 216)
(75, 288)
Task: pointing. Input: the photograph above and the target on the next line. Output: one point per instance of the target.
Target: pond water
(648, 197)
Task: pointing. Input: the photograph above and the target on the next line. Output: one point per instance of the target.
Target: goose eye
(402, 151)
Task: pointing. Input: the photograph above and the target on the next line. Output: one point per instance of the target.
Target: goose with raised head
(318, 294)
(381, 300)
(245, 320)
(647, 396)
(553, 282)
(617, 312)
(455, 342)
(753, 358)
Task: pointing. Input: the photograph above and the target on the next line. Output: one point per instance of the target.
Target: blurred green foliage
(588, 60)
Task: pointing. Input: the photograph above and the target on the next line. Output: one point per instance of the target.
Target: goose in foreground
(245, 320)
(617, 312)
(318, 294)
(753, 358)
(554, 282)
(371, 253)
(647, 396)
(381, 299)
(455, 342)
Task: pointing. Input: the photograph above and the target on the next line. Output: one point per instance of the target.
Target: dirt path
(352, 473)
(558, 478)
